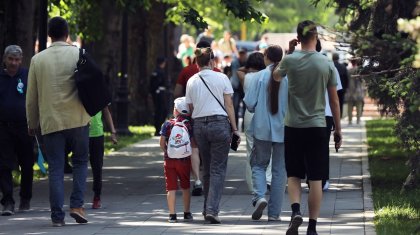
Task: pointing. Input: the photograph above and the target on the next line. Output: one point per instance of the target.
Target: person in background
(158, 85)
(237, 88)
(246, 75)
(206, 36)
(344, 77)
(355, 93)
(309, 74)
(209, 96)
(96, 151)
(186, 50)
(62, 118)
(16, 146)
(177, 168)
(228, 45)
(268, 102)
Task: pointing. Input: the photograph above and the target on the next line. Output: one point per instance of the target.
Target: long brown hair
(274, 53)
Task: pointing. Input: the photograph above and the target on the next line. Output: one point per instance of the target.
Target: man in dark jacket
(158, 85)
(15, 143)
(344, 77)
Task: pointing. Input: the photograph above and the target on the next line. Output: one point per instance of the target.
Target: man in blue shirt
(15, 143)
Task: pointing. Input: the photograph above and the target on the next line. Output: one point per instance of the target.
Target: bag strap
(212, 93)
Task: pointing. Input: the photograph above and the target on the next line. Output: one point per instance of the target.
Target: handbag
(234, 138)
(90, 83)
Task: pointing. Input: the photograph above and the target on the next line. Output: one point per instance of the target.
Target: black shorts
(305, 153)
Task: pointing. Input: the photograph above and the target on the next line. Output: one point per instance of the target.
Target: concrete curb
(367, 189)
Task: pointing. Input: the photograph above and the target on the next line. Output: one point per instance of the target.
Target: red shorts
(177, 169)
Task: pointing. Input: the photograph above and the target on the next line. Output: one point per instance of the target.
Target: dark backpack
(90, 83)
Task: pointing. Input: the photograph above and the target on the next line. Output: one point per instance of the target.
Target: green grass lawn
(395, 213)
(139, 133)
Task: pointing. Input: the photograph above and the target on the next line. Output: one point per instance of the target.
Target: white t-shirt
(327, 99)
(200, 97)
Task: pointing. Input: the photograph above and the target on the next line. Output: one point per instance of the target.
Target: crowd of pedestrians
(292, 104)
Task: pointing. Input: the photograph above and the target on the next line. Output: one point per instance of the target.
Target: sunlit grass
(395, 213)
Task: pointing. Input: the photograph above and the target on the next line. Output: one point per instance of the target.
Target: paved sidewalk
(134, 200)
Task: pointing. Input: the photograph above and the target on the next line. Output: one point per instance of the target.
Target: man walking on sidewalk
(310, 74)
(53, 103)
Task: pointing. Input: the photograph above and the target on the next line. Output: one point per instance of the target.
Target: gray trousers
(213, 134)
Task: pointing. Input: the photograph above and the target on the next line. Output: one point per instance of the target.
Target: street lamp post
(122, 92)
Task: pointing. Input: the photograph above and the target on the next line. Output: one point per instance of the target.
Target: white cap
(181, 106)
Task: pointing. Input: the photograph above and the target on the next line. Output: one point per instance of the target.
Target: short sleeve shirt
(167, 127)
(200, 97)
(309, 74)
(96, 127)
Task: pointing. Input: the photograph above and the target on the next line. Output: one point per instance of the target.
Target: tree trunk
(146, 43)
(16, 26)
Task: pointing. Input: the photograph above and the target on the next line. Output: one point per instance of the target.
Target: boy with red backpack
(175, 142)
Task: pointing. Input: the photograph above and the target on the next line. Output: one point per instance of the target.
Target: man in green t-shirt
(309, 74)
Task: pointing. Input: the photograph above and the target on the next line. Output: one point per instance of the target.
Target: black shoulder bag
(234, 139)
(90, 83)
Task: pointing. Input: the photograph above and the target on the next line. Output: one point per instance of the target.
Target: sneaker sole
(259, 211)
(58, 224)
(294, 225)
(79, 219)
(7, 213)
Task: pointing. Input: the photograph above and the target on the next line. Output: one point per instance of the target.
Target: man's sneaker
(79, 215)
(172, 218)
(8, 209)
(60, 223)
(274, 219)
(326, 185)
(311, 233)
(96, 203)
(24, 205)
(259, 208)
(214, 219)
(188, 216)
(295, 222)
(197, 188)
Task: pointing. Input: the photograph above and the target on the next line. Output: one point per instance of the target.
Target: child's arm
(162, 143)
(110, 123)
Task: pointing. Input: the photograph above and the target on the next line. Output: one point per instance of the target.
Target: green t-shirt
(309, 74)
(96, 127)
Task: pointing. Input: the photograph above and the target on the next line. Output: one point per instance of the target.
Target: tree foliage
(388, 56)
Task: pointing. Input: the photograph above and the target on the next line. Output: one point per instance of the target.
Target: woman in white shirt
(209, 95)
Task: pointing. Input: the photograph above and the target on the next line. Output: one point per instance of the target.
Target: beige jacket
(52, 100)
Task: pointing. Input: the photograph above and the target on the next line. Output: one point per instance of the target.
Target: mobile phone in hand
(234, 142)
(337, 139)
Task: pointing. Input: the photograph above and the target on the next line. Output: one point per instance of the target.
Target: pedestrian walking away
(310, 74)
(209, 95)
(52, 103)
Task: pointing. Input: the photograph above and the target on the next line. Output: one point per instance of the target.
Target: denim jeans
(212, 135)
(260, 158)
(78, 139)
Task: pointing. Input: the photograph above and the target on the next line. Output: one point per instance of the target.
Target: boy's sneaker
(96, 203)
(295, 222)
(172, 218)
(8, 209)
(197, 188)
(274, 219)
(259, 208)
(188, 216)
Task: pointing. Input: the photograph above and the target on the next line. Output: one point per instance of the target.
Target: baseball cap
(181, 106)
